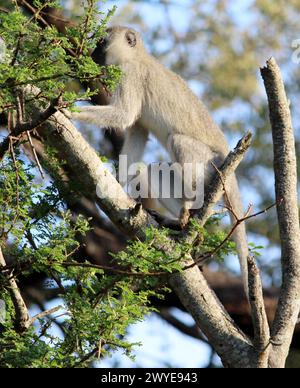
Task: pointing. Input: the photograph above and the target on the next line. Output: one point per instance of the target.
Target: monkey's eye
(103, 41)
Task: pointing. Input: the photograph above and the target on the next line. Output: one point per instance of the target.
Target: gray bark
(258, 313)
(285, 167)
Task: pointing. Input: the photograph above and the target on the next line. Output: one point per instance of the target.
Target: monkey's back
(170, 103)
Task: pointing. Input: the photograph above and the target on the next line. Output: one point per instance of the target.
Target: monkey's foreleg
(104, 116)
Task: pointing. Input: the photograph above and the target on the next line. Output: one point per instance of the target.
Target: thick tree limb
(285, 167)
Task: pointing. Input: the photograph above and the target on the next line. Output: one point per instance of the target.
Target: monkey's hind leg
(195, 159)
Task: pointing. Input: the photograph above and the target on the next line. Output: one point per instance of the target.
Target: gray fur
(161, 103)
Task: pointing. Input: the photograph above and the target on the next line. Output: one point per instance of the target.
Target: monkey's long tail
(240, 235)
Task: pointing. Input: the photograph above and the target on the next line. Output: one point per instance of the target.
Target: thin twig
(226, 196)
(35, 155)
(22, 127)
(44, 314)
(13, 156)
(33, 11)
(17, 49)
(85, 31)
(112, 269)
(208, 255)
(87, 357)
(192, 331)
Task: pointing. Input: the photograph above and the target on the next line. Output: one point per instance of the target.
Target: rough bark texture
(234, 348)
(259, 315)
(285, 167)
(215, 189)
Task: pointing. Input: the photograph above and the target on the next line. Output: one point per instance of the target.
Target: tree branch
(22, 321)
(285, 167)
(22, 127)
(44, 314)
(258, 313)
(214, 190)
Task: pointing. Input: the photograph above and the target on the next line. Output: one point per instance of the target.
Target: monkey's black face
(122, 37)
(99, 54)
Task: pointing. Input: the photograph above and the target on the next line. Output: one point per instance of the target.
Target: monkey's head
(121, 44)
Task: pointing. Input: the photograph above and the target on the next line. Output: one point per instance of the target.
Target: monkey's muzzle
(99, 54)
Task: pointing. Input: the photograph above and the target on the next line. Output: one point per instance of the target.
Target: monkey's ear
(131, 38)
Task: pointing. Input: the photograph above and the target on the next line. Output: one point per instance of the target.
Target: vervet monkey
(153, 99)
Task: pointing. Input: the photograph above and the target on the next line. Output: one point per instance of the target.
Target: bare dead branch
(214, 190)
(285, 167)
(33, 150)
(44, 314)
(230, 207)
